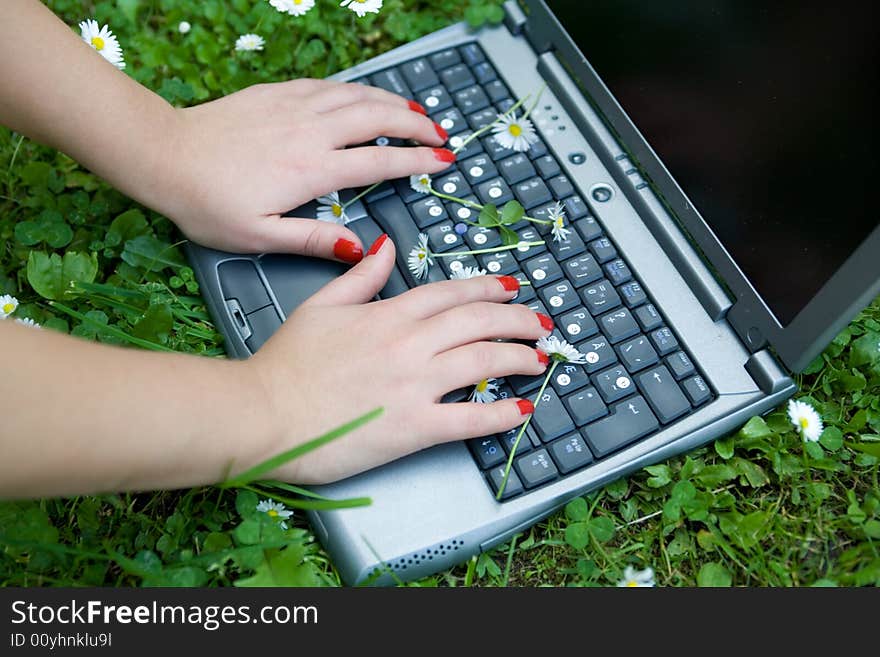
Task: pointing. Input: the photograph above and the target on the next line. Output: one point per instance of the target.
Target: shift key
(629, 420)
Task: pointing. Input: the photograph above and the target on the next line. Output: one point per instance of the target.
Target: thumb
(363, 281)
(309, 237)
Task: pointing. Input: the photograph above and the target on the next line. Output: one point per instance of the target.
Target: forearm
(79, 417)
(57, 90)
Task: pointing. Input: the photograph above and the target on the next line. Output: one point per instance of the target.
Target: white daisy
(484, 392)
(560, 350)
(8, 304)
(420, 258)
(467, 272)
(557, 216)
(805, 419)
(276, 511)
(637, 578)
(102, 40)
(362, 7)
(421, 183)
(330, 209)
(249, 42)
(511, 132)
(184, 27)
(293, 7)
(27, 321)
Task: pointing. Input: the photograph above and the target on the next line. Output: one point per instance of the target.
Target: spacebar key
(629, 420)
(393, 217)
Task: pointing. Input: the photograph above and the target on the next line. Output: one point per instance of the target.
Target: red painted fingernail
(348, 251)
(444, 155)
(509, 283)
(440, 131)
(546, 322)
(415, 107)
(378, 244)
(543, 358)
(525, 407)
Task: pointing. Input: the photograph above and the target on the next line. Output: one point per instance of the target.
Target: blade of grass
(315, 505)
(146, 344)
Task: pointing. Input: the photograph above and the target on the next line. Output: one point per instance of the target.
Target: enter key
(663, 394)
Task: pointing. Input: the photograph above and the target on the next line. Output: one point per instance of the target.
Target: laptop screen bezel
(852, 287)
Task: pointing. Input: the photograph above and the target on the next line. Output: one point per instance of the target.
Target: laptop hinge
(767, 373)
(514, 18)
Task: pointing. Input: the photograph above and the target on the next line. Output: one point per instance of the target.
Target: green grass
(757, 508)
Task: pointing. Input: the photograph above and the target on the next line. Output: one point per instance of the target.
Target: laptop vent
(416, 559)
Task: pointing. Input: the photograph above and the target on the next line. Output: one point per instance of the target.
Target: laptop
(716, 165)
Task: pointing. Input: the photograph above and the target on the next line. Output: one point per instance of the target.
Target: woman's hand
(338, 357)
(241, 161)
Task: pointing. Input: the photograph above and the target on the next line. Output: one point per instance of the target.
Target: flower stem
(477, 206)
(361, 195)
(522, 430)
(455, 254)
(487, 128)
(535, 104)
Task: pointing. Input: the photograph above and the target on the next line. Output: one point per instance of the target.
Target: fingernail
(378, 244)
(546, 322)
(444, 155)
(509, 283)
(415, 107)
(441, 132)
(543, 358)
(525, 407)
(348, 251)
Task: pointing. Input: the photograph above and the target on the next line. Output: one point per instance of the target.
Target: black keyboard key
(369, 232)
(470, 148)
(537, 306)
(450, 120)
(405, 191)
(501, 263)
(381, 191)
(470, 100)
(575, 208)
(537, 149)
(391, 80)
(663, 394)
(598, 353)
(481, 119)
(453, 184)
(630, 420)
(528, 234)
(457, 77)
(511, 488)
(570, 247)
(633, 295)
(680, 365)
(550, 419)
(532, 193)
(496, 91)
(585, 406)
(582, 270)
(619, 325)
(637, 354)
(479, 237)
(523, 385)
(472, 54)
(455, 396)
(435, 99)
(516, 168)
(614, 383)
(495, 150)
(494, 191)
(443, 237)
(462, 212)
(603, 249)
(568, 378)
(543, 269)
(697, 390)
(526, 292)
(570, 453)
(536, 468)
(542, 213)
(588, 228)
(487, 451)
(484, 72)
(664, 341)
(508, 439)
(419, 74)
(559, 297)
(428, 211)
(577, 325)
(547, 166)
(561, 187)
(457, 263)
(648, 317)
(478, 169)
(618, 272)
(600, 297)
(444, 59)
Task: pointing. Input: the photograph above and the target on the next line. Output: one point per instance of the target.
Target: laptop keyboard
(637, 379)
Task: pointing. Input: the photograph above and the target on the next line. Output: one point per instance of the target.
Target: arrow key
(663, 394)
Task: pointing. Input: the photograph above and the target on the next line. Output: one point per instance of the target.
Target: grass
(757, 508)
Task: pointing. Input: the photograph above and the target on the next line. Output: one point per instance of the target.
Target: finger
(362, 282)
(428, 300)
(356, 167)
(467, 365)
(363, 122)
(320, 239)
(472, 420)
(345, 94)
(482, 320)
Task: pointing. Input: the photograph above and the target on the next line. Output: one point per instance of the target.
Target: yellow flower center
(632, 583)
(482, 385)
(559, 223)
(422, 255)
(424, 181)
(515, 130)
(98, 43)
(337, 209)
(804, 422)
(297, 2)
(8, 308)
(272, 513)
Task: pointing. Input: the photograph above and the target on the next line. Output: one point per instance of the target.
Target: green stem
(361, 195)
(509, 247)
(487, 128)
(522, 430)
(535, 104)
(477, 206)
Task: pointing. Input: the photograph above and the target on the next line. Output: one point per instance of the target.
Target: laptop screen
(764, 112)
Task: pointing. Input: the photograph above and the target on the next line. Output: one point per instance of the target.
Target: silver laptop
(715, 160)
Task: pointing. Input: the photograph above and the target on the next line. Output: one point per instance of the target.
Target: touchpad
(294, 278)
